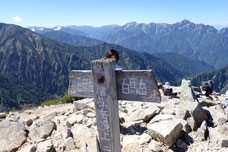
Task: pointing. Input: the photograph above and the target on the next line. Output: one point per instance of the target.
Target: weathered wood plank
(133, 85)
(137, 85)
(106, 104)
(81, 84)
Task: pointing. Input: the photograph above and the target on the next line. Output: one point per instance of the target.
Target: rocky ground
(178, 124)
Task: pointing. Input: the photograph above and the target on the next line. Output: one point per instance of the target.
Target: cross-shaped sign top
(107, 85)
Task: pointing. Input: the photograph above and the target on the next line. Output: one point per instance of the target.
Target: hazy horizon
(49, 13)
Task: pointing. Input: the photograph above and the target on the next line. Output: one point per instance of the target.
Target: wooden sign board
(133, 85)
(81, 84)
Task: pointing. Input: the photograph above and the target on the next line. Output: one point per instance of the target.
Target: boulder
(166, 131)
(195, 110)
(74, 119)
(154, 146)
(41, 129)
(66, 133)
(192, 124)
(144, 138)
(186, 91)
(28, 148)
(12, 135)
(2, 115)
(198, 114)
(130, 143)
(218, 115)
(130, 139)
(29, 122)
(203, 131)
(219, 134)
(207, 103)
(82, 104)
(181, 144)
(168, 109)
(186, 126)
(143, 114)
(182, 112)
(82, 135)
(45, 146)
(69, 144)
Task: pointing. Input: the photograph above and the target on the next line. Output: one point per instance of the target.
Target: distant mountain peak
(186, 21)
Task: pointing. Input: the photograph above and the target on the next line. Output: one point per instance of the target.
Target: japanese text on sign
(134, 86)
(104, 118)
(84, 84)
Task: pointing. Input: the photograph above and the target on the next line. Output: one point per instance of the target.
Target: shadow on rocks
(183, 142)
(210, 118)
(135, 129)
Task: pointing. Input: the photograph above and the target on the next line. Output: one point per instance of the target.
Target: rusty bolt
(100, 79)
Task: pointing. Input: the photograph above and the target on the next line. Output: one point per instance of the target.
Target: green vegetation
(62, 100)
(185, 65)
(219, 78)
(15, 93)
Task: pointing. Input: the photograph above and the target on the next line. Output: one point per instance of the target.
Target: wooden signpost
(107, 85)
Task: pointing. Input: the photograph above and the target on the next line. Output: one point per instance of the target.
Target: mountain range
(46, 64)
(45, 61)
(196, 41)
(185, 65)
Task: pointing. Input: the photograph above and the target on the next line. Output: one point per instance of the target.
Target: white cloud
(17, 19)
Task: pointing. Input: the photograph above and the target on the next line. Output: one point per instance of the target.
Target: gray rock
(166, 131)
(29, 148)
(69, 143)
(182, 112)
(29, 122)
(144, 138)
(186, 91)
(198, 114)
(154, 146)
(218, 115)
(2, 115)
(181, 144)
(41, 129)
(45, 146)
(220, 135)
(66, 133)
(202, 131)
(143, 114)
(28, 111)
(12, 135)
(207, 103)
(53, 114)
(130, 143)
(191, 123)
(13, 118)
(74, 119)
(82, 135)
(81, 104)
(186, 126)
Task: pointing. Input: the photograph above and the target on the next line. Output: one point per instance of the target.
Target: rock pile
(172, 125)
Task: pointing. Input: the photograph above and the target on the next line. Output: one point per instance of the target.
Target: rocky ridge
(172, 125)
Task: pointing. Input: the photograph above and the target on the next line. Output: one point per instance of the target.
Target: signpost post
(107, 85)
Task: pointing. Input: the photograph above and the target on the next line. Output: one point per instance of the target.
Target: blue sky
(104, 12)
